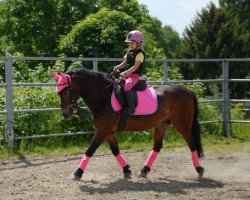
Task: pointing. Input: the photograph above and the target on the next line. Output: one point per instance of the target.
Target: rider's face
(132, 45)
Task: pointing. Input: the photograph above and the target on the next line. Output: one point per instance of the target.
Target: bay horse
(177, 107)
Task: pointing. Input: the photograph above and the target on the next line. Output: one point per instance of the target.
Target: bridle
(73, 103)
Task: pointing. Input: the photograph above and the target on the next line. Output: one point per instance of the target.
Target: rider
(133, 64)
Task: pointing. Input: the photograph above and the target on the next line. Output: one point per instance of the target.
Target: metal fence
(10, 110)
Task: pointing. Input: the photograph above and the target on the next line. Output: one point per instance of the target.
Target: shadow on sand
(162, 185)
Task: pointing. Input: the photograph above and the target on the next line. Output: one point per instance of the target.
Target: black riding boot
(130, 109)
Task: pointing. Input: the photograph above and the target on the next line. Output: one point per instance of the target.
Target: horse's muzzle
(66, 112)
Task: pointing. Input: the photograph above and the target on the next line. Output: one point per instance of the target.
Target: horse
(177, 107)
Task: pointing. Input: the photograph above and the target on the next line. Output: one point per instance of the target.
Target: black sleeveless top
(130, 59)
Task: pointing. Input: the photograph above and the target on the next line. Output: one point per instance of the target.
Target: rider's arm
(132, 69)
(120, 66)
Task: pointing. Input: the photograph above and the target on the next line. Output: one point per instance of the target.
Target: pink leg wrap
(195, 159)
(84, 162)
(121, 160)
(151, 158)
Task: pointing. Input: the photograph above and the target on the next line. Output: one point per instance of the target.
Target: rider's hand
(115, 69)
(123, 74)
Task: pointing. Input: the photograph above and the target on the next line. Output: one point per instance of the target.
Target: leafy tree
(171, 41)
(80, 28)
(240, 8)
(25, 24)
(99, 35)
(34, 27)
(215, 33)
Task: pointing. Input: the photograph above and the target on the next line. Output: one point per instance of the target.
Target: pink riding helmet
(135, 36)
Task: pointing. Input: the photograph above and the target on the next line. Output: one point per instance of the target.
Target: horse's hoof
(144, 172)
(127, 175)
(77, 175)
(75, 178)
(127, 172)
(142, 175)
(200, 170)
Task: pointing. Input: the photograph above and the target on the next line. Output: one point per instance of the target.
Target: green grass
(53, 147)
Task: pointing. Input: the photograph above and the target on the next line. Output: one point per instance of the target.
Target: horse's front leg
(158, 139)
(118, 156)
(86, 157)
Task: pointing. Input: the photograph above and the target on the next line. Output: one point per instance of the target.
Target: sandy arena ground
(226, 177)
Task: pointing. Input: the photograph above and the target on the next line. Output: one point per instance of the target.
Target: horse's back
(174, 98)
(174, 90)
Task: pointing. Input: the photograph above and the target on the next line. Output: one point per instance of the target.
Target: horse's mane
(90, 73)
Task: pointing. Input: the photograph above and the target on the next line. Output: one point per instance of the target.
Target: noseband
(72, 104)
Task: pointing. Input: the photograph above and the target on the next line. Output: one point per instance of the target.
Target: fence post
(225, 93)
(165, 68)
(9, 132)
(95, 65)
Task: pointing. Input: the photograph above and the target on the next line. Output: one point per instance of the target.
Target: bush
(239, 130)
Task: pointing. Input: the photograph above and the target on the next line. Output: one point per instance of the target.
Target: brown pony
(177, 106)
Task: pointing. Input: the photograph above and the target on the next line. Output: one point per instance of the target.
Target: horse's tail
(196, 132)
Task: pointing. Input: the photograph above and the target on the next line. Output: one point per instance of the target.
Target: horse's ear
(56, 76)
(62, 74)
(65, 77)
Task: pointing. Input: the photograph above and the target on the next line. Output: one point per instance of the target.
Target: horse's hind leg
(118, 156)
(191, 133)
(158, 139)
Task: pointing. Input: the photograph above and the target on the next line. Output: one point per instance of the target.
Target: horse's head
(67, 92)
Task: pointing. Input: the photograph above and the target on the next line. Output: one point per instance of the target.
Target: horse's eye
(64, 93)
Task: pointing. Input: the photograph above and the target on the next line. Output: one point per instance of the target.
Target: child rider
(133, 64)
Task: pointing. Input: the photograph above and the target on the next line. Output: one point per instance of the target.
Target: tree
(34, 27)
(80, 28)
(215, 33)
(25, 25)
(171, 41)
(98, 35)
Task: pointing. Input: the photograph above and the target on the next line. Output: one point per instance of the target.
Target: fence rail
(9, 111)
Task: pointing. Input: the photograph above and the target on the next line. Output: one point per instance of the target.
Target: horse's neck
(95, 95)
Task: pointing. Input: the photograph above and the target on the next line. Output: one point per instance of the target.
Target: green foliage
(34, 27)
(170, 41)
(98, 35)
(25, 25)
(36, 98)
(45, 122)
(237, 129)
(217, 33)
(237, 113)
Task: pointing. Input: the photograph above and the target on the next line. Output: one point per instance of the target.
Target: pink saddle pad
(147, 102)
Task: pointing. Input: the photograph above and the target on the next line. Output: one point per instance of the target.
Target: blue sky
(177, 13)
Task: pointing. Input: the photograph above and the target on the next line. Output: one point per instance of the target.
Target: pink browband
(63, 81)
